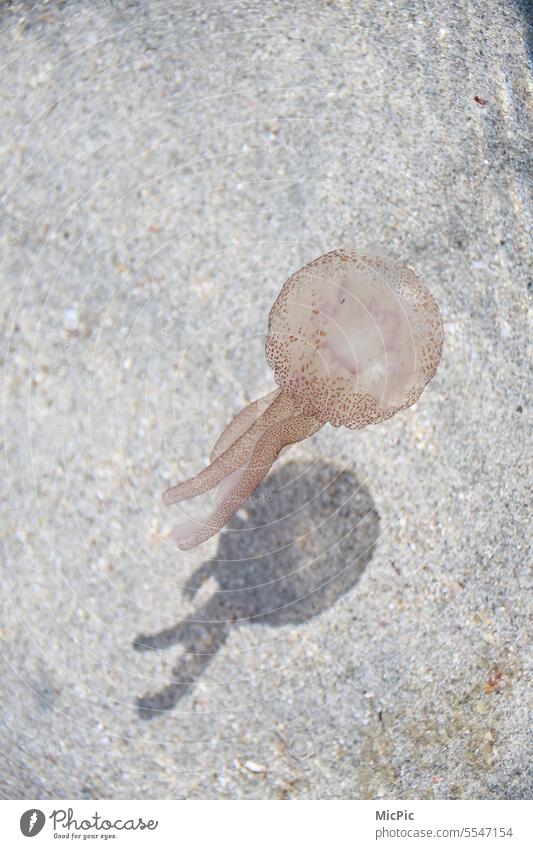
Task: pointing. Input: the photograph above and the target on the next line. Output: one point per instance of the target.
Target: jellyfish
(352, 340)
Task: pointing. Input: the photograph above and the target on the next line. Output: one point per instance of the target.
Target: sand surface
(361, 629)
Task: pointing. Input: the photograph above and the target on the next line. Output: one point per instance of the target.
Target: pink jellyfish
(352, 340)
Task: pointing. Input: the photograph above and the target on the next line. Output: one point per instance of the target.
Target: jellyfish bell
(352, 340)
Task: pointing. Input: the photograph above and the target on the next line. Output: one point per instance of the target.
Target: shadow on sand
(307, 537)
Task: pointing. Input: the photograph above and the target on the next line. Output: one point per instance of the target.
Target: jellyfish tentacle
(234, 456)
(188, 526)
(231, 432)
(241, 422)
(269, 446)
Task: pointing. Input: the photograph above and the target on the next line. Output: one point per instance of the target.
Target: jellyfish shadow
(308, 535)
